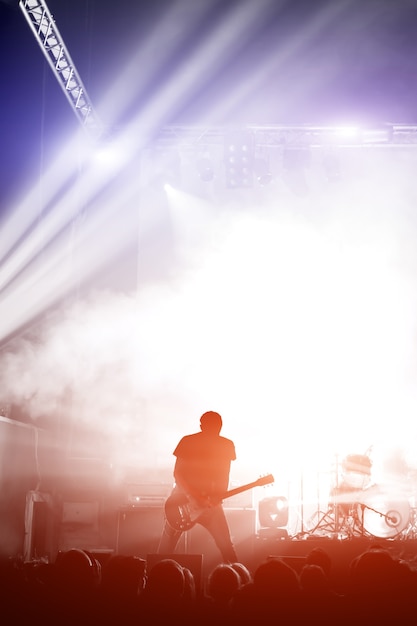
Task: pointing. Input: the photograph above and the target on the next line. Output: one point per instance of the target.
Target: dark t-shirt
(203, 461)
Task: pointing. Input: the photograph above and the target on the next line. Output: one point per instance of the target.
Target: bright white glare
(111, 156)
(347, 131)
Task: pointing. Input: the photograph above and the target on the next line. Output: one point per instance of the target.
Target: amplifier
(147, 495)
(139, 529)
(136, 500)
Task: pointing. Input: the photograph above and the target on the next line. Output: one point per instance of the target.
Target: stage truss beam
(53, 47)
(291, 136)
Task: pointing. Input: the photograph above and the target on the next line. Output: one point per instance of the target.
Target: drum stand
(336, 524)
(340, 521)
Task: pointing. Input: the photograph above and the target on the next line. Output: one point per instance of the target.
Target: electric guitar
(182, 511)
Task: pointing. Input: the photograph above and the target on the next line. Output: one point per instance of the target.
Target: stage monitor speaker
(139, 530)
(193, 562)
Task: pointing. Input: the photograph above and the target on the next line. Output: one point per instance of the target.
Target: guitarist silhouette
(201, 474)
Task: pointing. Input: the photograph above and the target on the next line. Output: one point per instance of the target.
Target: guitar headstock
(265, 480)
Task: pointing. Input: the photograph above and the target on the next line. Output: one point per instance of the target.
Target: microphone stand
(390, 519)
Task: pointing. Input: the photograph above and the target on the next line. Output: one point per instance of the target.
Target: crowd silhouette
(76, 589)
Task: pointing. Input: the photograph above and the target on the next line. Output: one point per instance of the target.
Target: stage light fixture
(273, 512)
(238, 156)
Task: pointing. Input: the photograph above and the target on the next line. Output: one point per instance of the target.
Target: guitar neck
(241, 489)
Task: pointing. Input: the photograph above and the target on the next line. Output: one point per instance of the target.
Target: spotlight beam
(22, 217)
(207, 60)
(69, 260)
(275, 63)
(88, 184)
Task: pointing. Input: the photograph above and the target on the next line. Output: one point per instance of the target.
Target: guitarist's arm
(181, 481)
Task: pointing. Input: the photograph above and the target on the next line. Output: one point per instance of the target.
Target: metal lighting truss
(287, 136)
(48, 36)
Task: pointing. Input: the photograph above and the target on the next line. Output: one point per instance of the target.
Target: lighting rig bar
(47, 35)
(387, 135)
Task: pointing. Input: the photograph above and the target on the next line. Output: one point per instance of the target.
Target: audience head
(319, 556)
(166, 580)
(223, 582)
(124, 575)
(274, 578)
(313, 579)
(245, 574)
(372, 571)
(77, 570)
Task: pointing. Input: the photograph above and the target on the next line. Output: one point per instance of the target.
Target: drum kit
(358, 507)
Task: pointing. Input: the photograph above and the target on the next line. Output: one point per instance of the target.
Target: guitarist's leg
(214, 520)
(169, 539)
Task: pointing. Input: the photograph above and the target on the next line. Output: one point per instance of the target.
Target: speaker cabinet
(139, 530)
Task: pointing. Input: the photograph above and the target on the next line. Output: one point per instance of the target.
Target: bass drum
(381, 514)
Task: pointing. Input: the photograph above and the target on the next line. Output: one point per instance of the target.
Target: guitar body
(183, 511)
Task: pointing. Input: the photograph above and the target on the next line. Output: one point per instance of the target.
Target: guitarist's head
(211, 423)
